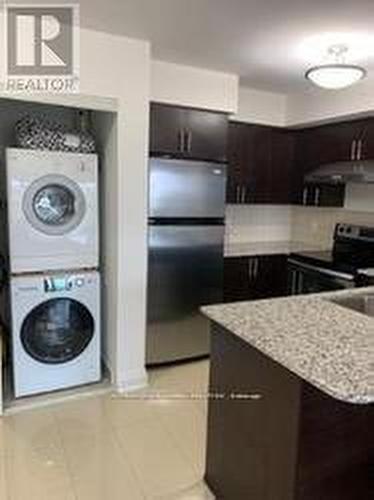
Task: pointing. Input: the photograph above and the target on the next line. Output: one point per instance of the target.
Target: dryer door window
(57, 331)
(54, 205)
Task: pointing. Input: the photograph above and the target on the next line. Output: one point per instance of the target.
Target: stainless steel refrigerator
(185, 256)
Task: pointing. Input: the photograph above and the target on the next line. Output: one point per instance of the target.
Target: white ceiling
(269, 43)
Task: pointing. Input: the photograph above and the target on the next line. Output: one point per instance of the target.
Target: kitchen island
(293, 412)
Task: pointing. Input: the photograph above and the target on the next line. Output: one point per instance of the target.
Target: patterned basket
(40, 133)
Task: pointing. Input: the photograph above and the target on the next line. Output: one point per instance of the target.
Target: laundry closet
(54, 161)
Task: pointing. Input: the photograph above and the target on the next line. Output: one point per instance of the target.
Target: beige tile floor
(111, 448)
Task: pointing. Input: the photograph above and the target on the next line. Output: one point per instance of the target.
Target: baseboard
(132, 381)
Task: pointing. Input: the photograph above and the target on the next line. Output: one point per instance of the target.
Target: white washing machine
(52, 210)
(55, 331)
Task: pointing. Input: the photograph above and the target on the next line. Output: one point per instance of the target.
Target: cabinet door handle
(317, 196)
(244, 189)
(353, 150)
(237, 198)
(250, 269)
(255, 271)
(359, 149)
(293, 282)
(181, 141)
(305, 195)
(189, 141)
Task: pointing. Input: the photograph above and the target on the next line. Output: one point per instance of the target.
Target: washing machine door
(54, 204)
(57, 331)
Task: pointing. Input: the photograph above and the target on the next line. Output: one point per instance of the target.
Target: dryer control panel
(62, 283)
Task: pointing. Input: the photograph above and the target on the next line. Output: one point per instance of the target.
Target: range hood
(360, 171)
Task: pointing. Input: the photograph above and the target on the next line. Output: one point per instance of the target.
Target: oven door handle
(321, 270)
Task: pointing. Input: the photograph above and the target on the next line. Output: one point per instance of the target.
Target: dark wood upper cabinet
(188, 133)
(345, 141)
(366, 146)
(206, 134)
(237, 175)
(280, 173)
(265, 164)
(332, 143)
(166, 129)
(260, 164)
(317, 146)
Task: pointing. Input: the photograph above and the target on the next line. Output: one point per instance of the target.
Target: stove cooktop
(353, 250)
(325, 260)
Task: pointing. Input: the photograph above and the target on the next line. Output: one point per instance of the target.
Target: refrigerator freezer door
(185, 272)
(188, 189)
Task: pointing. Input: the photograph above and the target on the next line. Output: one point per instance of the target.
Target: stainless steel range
(349, 264)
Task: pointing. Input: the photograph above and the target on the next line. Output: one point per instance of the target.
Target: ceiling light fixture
(337, 74)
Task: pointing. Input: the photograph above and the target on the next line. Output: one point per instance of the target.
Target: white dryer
(52, 210)
(55, 331)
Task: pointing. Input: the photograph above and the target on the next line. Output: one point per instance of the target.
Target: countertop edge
(352, 397)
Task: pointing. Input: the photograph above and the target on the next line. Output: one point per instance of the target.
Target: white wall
(106, 133)
(312, 106)
(195, 87)
(119, 67)
(360, 197)
(264, 108)
(318, 106)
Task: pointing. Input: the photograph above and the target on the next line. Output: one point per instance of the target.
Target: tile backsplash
(252, 223)
(263, 223)
(316, 225)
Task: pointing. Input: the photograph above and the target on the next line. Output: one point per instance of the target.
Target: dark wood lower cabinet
(293, 443)
(237, 279)
(256, 277)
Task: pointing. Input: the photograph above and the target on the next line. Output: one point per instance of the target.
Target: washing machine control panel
(63, 283)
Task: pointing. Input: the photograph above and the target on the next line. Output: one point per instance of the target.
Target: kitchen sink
(360, 303)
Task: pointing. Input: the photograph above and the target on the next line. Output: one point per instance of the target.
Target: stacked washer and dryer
(53, 247)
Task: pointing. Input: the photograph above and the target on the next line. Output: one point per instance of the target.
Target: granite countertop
(328, 345)
(251, 249)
